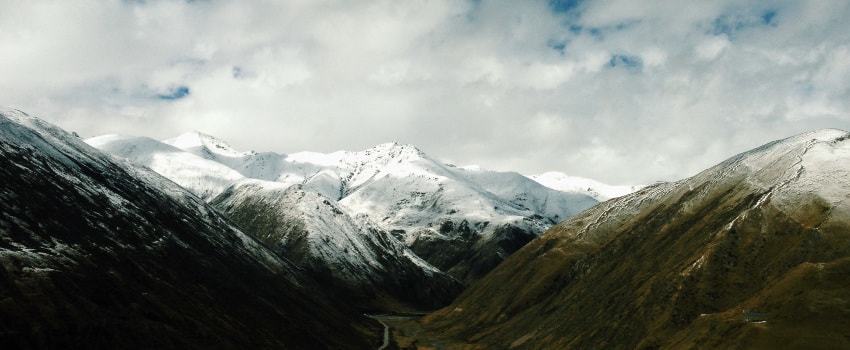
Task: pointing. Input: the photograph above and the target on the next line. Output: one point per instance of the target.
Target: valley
(389, 226)
(751, 251)
(424, 175)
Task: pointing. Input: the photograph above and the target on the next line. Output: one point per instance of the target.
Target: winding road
(386, 336)
(386, 342)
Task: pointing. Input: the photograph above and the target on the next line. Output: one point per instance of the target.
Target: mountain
(751, 253)
(463, 221)
(99, 253)
(361, 262)
(202, 176)
(598, 190)
(263, 166)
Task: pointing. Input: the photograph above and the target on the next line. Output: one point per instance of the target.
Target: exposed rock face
(354, 259)
(97, 253)
(751, 253)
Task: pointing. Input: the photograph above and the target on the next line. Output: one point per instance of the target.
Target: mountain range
(131, 242)
(455, 220)
(97, 252)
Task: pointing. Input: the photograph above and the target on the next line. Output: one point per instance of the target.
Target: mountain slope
(751, 253)
(339, 248)
(96, 253)
(361, 262)
(463, 221)
(598, 190)
(263, 166)
(204, 177)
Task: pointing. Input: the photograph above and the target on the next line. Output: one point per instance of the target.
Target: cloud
(622, 91)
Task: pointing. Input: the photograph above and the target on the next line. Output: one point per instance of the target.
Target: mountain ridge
(404, 191)
(359, 261)
(748, 253)
(598, 190)
(99, 253)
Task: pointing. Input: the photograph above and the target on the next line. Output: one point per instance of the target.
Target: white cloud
(711, 47)
(507, 85)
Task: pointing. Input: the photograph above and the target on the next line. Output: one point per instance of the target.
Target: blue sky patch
(175, 93)
(630, 62)
(732, 24)
(562, 6)
(557, 45)
(600, 31)
(769, 17)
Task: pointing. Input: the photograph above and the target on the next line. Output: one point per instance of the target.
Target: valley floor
(406, 333)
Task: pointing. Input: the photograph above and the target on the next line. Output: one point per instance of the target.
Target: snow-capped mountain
(357, 177)
(96, 252)
(751, 253)
(433, 207)
(305, 226)
(202, 176)
(361, 261)
(574, 184)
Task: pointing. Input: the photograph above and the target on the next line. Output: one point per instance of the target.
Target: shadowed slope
(355, 259)
(101, 254)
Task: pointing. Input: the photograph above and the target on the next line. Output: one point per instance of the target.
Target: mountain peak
(820, 135)
(394, 145)
(394, 150)
(195, 139)
(567, 183)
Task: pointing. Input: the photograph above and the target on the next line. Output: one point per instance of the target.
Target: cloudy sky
(623, 91)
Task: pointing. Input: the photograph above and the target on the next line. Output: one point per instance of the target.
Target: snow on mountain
(204, 177)
(315, 171)
(520, 191)
(334, 240)
(211, 147)
(402, 190)
(315, 232)
(752, 246)
(789, 170)
(392, 183)
(598, 190)
(97, 251)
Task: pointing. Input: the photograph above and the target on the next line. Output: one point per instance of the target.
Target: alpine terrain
(459, 220)
(357, 260)
(99, 253)
(598, 190)
(751, 253)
